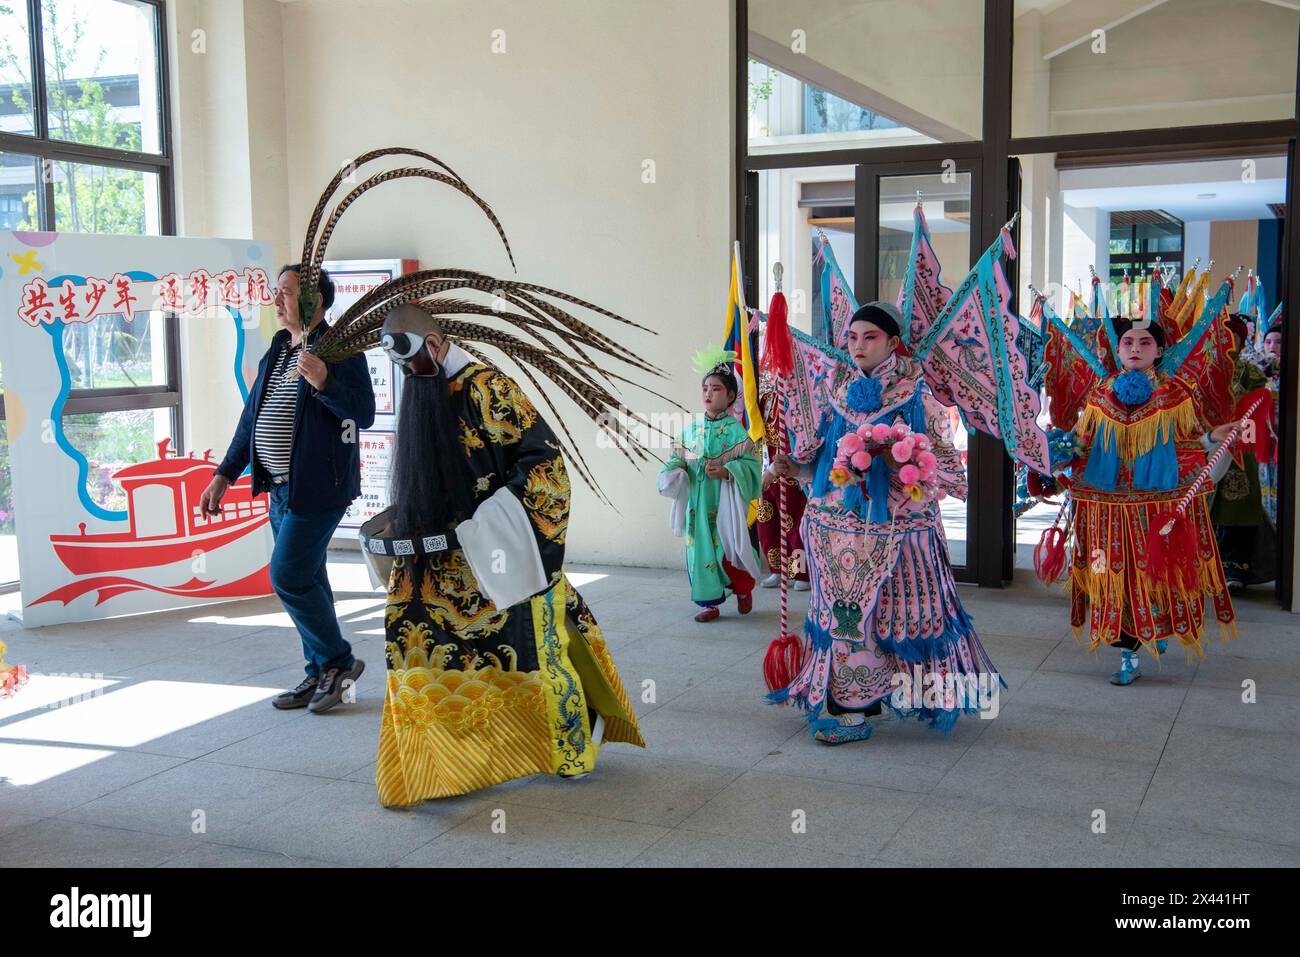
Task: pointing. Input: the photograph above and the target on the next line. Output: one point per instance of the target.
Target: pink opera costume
(885, 624)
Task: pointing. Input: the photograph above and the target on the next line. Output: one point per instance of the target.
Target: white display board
(353, 278)
(79, 557)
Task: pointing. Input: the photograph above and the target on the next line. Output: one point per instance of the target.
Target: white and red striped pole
(1203, 476)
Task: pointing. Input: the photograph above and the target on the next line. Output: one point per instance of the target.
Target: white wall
(228, 125)
(553, 133)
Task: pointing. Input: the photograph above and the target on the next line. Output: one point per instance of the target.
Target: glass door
(864, 214)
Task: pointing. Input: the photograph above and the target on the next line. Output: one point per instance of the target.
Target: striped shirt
(273, 432)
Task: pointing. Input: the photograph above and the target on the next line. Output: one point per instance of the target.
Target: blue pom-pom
(1133, 387)
(864, 395)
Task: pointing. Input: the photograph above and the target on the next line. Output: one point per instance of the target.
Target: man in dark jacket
(300, 434)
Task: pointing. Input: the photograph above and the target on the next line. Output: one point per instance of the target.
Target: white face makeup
(1138, 349)
(402, 347)
(714, 395)
(869, 345)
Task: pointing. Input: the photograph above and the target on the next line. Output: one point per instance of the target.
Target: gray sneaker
(299, 697)
(333, 682)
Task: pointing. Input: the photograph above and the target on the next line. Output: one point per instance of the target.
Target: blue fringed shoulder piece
(1157, 470)
(833, 429)
(1103, 462)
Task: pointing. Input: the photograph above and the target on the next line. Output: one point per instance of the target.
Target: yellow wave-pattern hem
(1140, 437)
(445, 733)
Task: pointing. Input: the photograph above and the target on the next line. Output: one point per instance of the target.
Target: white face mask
(402, 347)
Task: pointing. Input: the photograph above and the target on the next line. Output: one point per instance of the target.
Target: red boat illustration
(166, 522)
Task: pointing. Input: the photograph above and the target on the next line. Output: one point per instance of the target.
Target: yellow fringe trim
(1107, 589)
(1136, 438)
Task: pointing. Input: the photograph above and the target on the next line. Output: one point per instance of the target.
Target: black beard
(431, 484)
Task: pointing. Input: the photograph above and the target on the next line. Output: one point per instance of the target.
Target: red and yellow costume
(1138, 458)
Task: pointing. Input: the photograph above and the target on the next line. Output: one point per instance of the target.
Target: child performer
(1144, 433)
(711, 477)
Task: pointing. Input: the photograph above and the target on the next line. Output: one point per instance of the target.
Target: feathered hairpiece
(543, 337)
(713, 359)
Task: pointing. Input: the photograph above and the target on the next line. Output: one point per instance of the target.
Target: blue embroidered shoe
(844, 733)
(1130, 668)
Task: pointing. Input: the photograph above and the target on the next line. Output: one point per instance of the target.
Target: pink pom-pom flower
(901, 432)
(926, 459)
(901, 450)
(881, 432)
(909, 474)
(852, 442)
(861, 460)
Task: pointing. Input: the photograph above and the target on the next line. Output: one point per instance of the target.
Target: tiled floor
(157, 746)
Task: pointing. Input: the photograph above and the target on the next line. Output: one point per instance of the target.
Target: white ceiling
(1192, 192)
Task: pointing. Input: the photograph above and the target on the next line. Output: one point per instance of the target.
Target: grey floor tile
(647, 789)
(1156, 695)
(1067, 784)
(1268, 753)
(331, 745)
(1226, 708)
(695, 849)
(1270, 676)
(220, 855)
(738, 691)
(1244, 806)
(717, 740)
(815, 815)
(1148, 846)
(344, 823)
(535, 837)
(215, 797)
(1098, 734)
(706, 655)
(1007, 616)
(57, 843)
(1016, 651)
(1210, 779)
(62, 777)
(947, 833)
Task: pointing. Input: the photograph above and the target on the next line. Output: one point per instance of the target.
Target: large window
(854, 74)
(85, 147)
(1142, 239)
(1194, 102)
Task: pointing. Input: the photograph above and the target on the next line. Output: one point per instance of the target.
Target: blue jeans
(299, 577)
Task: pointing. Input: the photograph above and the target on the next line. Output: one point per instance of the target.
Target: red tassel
(1040, 485)
(778, 348)
(1172, 557)
(1263, 447)
(783, 662)
(1049, 555)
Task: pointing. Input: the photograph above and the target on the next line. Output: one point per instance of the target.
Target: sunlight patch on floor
(131, 716)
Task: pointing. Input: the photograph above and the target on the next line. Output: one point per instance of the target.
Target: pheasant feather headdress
(529, 324)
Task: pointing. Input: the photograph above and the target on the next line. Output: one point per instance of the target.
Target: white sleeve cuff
(500, 545)
(674, 484)
(1221, 467)
(733, 528)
